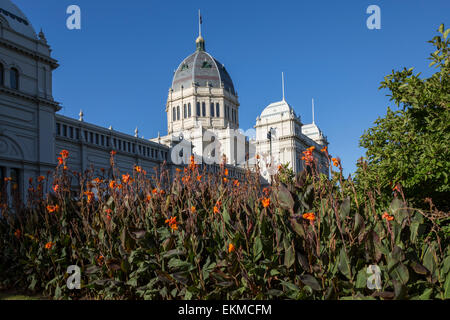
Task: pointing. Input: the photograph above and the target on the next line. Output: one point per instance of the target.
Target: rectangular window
(184, 111)
(107, 141)
(178, 112)
(64, 130)
(58, 129)
(97, 140)
(211, 109)
(217, 110)
(15, 182)
(203, 109)
(189, 110)
(71, 132)
(91, 137)
(77, 133)
(2, 181)
(103, 140)
(198, 109)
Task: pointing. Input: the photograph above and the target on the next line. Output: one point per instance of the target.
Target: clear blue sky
(119, 66)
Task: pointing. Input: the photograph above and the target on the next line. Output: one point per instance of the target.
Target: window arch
(14, 78)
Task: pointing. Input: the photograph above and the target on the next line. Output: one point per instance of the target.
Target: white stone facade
(202, 112)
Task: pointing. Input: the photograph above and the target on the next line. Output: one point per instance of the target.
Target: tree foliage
(410, 145)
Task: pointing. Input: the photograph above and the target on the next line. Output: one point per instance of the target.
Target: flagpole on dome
(199, 23)
(200, 42)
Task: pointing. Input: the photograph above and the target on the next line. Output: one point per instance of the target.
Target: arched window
(178, 112)
(174, 114)
(217, 110)
(203, 109)
(198, 109)
(185, 111)
(2, 74)
(14, 78)
(212, 109)
(189, 110)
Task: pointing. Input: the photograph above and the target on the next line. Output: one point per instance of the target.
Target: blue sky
(119, 66)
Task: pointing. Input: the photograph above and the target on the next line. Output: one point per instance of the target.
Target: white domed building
(202, 118)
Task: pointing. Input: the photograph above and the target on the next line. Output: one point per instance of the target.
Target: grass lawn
(17, 296)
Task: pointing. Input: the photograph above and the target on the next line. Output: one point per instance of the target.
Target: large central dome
(202, 69)
(16, 19)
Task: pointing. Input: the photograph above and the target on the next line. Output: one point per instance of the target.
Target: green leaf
(309, 280)
(345, 208)
(344, 263)
(289, 257)
(400, 273)
(257, 249)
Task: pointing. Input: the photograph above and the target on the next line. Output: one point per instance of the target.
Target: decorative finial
(136, 132)
(200, 42)
(81, 114)
(110, 127)
(42, 36)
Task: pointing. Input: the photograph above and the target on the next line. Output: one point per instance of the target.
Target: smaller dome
(199, 39)
(16, 19)
(277, 109)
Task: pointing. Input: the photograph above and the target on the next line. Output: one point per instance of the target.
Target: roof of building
(16, 19)
(277, 108)
(203, 70)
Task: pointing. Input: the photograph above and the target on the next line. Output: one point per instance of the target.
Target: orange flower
(100, 259)
(265, 202)
(60, 161)
(65, 167)
(55, 188)
(396, 188)
(162, 192)
(225, 180)
(49, 245)
(17, 234)
(64, 154)
(137, 168)
(226, 172)
(236, 183)
(324, 149)
(108, 211)
(8, 179)
(178, 169)
(40, 178)
(126, 178)
(199, 178)
(112, 184)
(149, 197)
(216, 210)
(266, 191)
(172, 223)
(257, 156)
(155, 191)
(113, 153)
(387, 217)
(335, 162)
(308, 156)
(90, 196)
(52, 208)
(231, 248)
(309, 216)
(193, 209)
